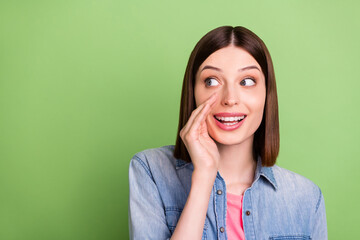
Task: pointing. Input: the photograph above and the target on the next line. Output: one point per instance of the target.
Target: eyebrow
(240, 69)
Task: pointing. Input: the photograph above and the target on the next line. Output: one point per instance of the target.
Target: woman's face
(240, 85)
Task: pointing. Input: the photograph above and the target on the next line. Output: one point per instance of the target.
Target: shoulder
(158, 168)
(284, 175)
(161, 154)
(155, 159)
(296, 185)
(167, 150)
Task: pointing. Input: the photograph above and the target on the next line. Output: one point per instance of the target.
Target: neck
(237, 164)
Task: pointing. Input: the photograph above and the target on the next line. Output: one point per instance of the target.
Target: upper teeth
(230, 119)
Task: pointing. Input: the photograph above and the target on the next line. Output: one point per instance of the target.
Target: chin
(229, 139)
(243, 134)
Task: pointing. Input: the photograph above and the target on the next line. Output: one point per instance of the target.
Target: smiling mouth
(229, 121)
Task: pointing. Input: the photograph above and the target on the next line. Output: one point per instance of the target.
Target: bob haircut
(266, 137)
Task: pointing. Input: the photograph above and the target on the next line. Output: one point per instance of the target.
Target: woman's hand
(205, 158)
(202, 149)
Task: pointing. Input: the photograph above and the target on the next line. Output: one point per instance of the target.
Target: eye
(247, 82)
(211, 82)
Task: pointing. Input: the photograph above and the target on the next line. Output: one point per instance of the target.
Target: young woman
(220, 180)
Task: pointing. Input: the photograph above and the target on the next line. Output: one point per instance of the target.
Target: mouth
(229, 121)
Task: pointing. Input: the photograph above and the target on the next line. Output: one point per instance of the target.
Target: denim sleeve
(319, 231)
(146, 211)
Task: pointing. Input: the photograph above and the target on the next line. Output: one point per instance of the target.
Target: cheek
(256, 102)
(201, 95)
(259, 104)
(210, 124)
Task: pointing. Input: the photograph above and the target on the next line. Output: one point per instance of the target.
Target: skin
(212, 149)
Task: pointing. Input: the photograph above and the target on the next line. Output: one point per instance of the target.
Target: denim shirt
(280, 204)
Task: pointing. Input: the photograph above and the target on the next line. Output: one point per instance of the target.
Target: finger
(190, 125)
(210, 100)
(211, 104)
(193, 135)
(191, 118)
(199, 123)
(195, 114)
(203, 130)
(199, 119)
(213, 97)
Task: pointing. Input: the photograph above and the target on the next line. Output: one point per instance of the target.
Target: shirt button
(247, 213)
(219, 192)
(222, 229)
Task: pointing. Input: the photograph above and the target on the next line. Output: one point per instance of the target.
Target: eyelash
(240, 81)
(248, 78)
(208, 79)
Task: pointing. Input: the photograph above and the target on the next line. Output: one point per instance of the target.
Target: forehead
(230, 57)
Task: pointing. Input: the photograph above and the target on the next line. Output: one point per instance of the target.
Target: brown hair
(266, 137)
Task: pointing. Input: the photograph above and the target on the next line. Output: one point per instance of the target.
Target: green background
(84, 85)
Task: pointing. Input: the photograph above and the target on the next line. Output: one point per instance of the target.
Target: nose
(230, 96)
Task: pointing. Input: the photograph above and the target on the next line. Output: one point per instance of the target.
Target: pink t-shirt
(234, 223)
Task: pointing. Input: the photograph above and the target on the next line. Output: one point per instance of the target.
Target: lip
(227, 114)
(229, 127)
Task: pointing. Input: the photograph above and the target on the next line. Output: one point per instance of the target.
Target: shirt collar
(181, 163)
(266, 172)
